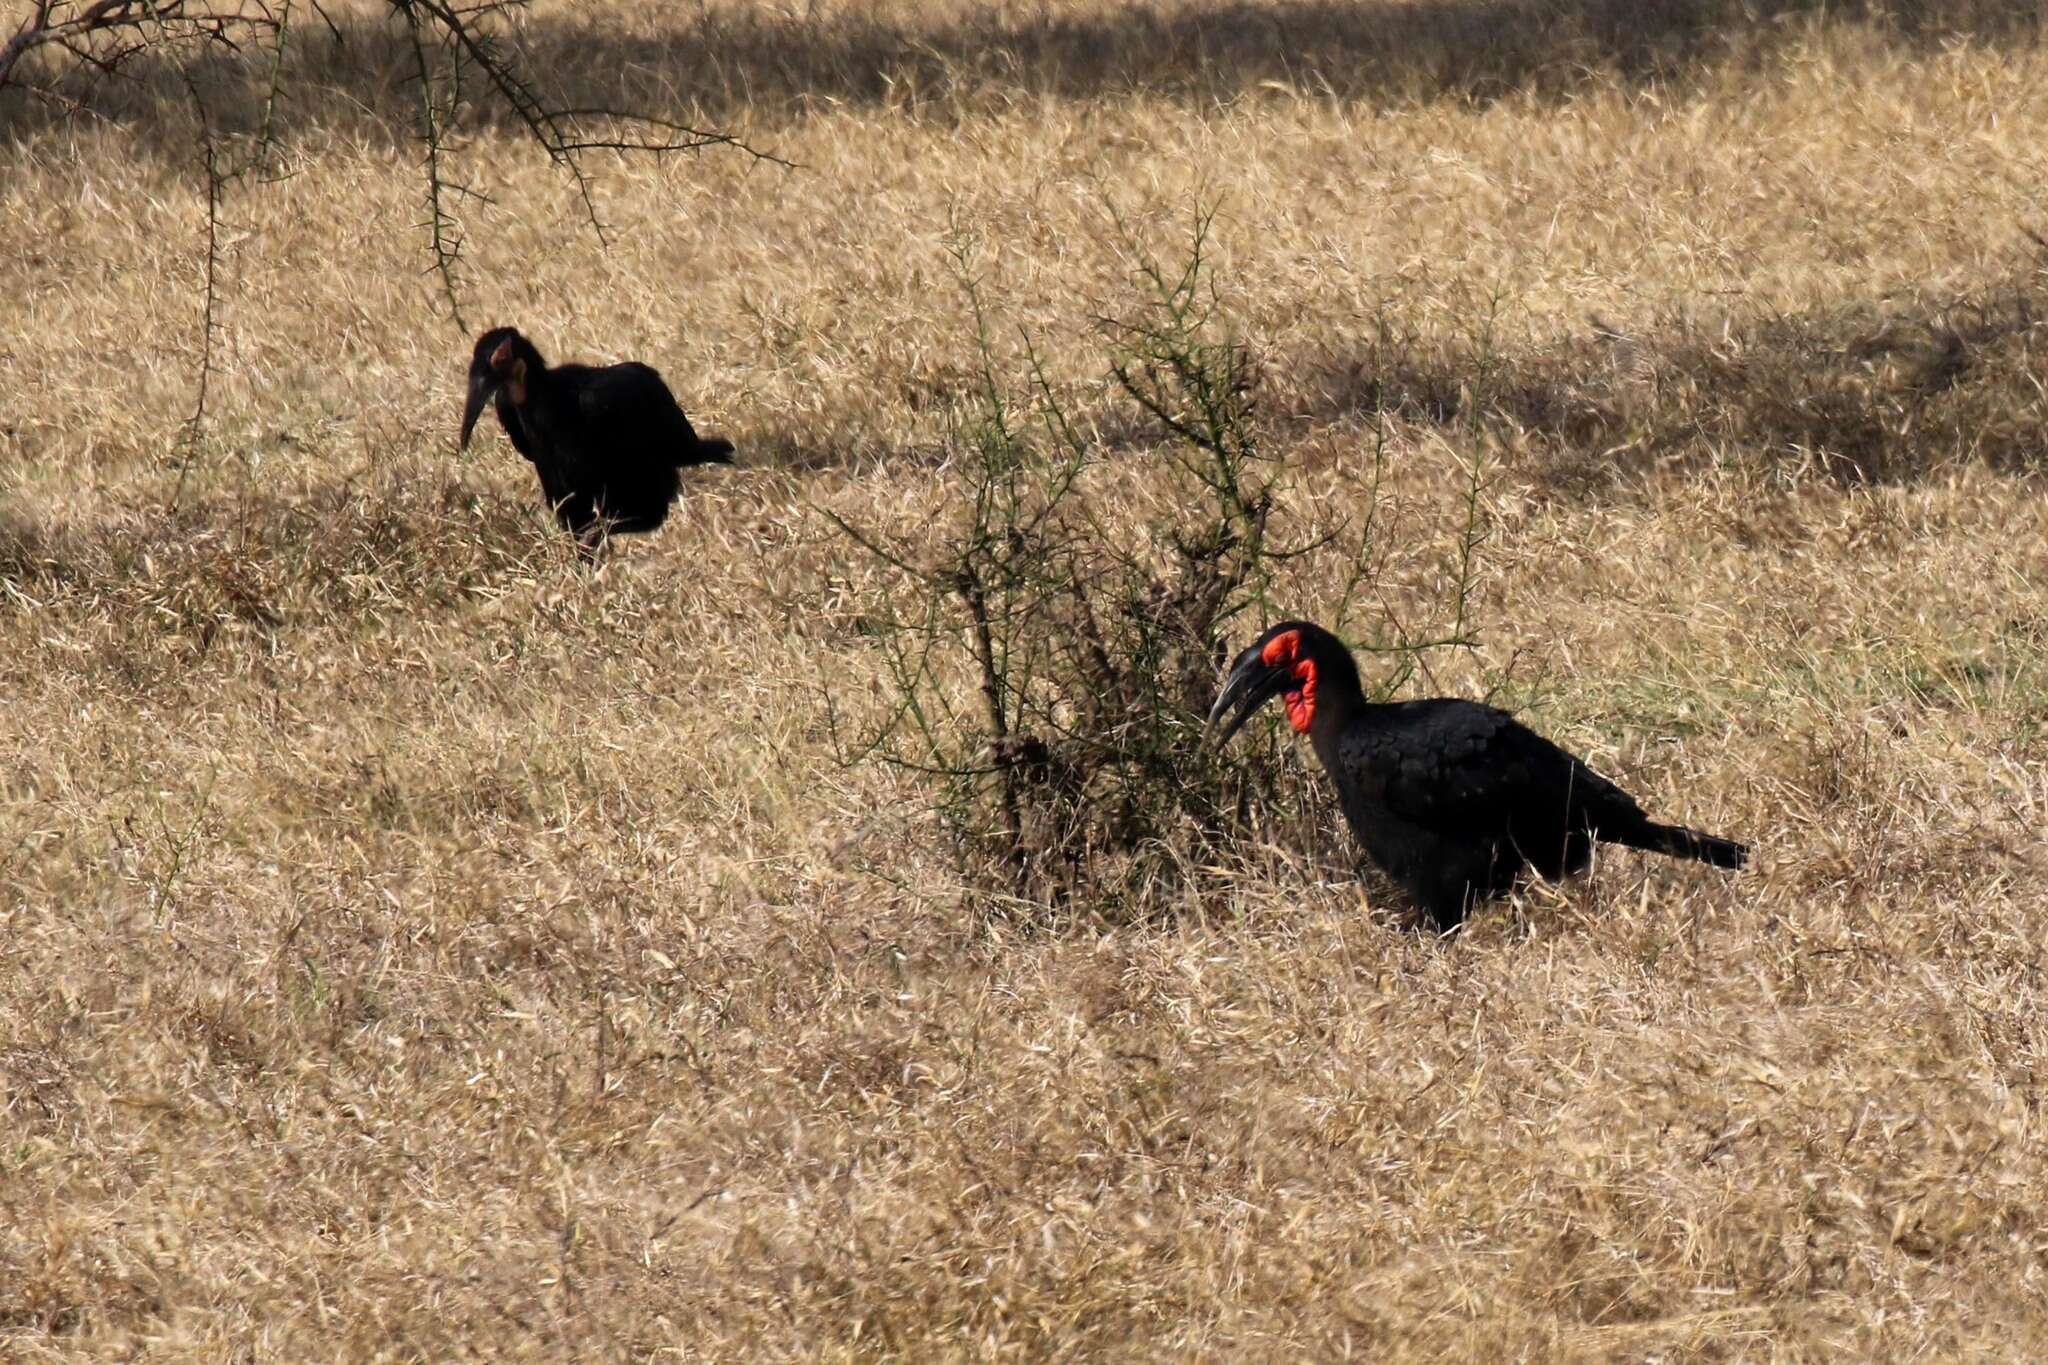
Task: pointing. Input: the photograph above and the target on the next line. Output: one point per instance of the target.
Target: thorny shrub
(1076, 778)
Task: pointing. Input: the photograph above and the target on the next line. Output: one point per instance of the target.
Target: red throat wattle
(1301, 696)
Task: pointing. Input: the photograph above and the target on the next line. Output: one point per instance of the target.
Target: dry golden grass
(415, 947)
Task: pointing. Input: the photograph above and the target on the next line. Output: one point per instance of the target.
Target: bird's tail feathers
(713, 451)
(1680, 842)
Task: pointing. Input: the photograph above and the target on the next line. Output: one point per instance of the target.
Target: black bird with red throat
(606, 440)
(1451, 798)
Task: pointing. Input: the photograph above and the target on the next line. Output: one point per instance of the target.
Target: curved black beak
(482, 384)
(1251, 684)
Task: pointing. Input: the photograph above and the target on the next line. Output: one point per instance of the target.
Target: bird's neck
(1337, 709)
(534, 384)
(1323, 700)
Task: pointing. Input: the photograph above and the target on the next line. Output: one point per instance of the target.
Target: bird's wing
(1462, 765)
(628, 405)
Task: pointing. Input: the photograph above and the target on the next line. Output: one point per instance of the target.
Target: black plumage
(1451, 798)
(606, 440)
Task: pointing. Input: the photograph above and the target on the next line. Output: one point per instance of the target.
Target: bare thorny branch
(444, 235)
(209, 328)
(209, 325)
(566, 133)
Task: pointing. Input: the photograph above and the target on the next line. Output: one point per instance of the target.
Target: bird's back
(1469, 771)
(629, 406)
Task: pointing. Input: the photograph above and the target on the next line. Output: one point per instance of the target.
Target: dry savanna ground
(414, 945)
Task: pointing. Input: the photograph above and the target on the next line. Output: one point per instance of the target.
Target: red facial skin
(1301, 698)
(514, 370)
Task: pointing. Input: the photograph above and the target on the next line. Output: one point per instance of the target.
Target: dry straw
(416, 946)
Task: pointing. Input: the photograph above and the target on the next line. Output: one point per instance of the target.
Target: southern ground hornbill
(1451, 798)
(606, 440)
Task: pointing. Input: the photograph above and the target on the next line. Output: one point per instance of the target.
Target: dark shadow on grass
(1860, 392)
(713, 64)
(1864, 394)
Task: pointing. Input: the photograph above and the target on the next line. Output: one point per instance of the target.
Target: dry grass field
(417, 946)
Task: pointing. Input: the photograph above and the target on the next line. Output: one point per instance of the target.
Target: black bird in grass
(1451, 798)
(606, 440)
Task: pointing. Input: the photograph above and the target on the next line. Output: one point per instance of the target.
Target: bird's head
(1293, 660)
(502, 359)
